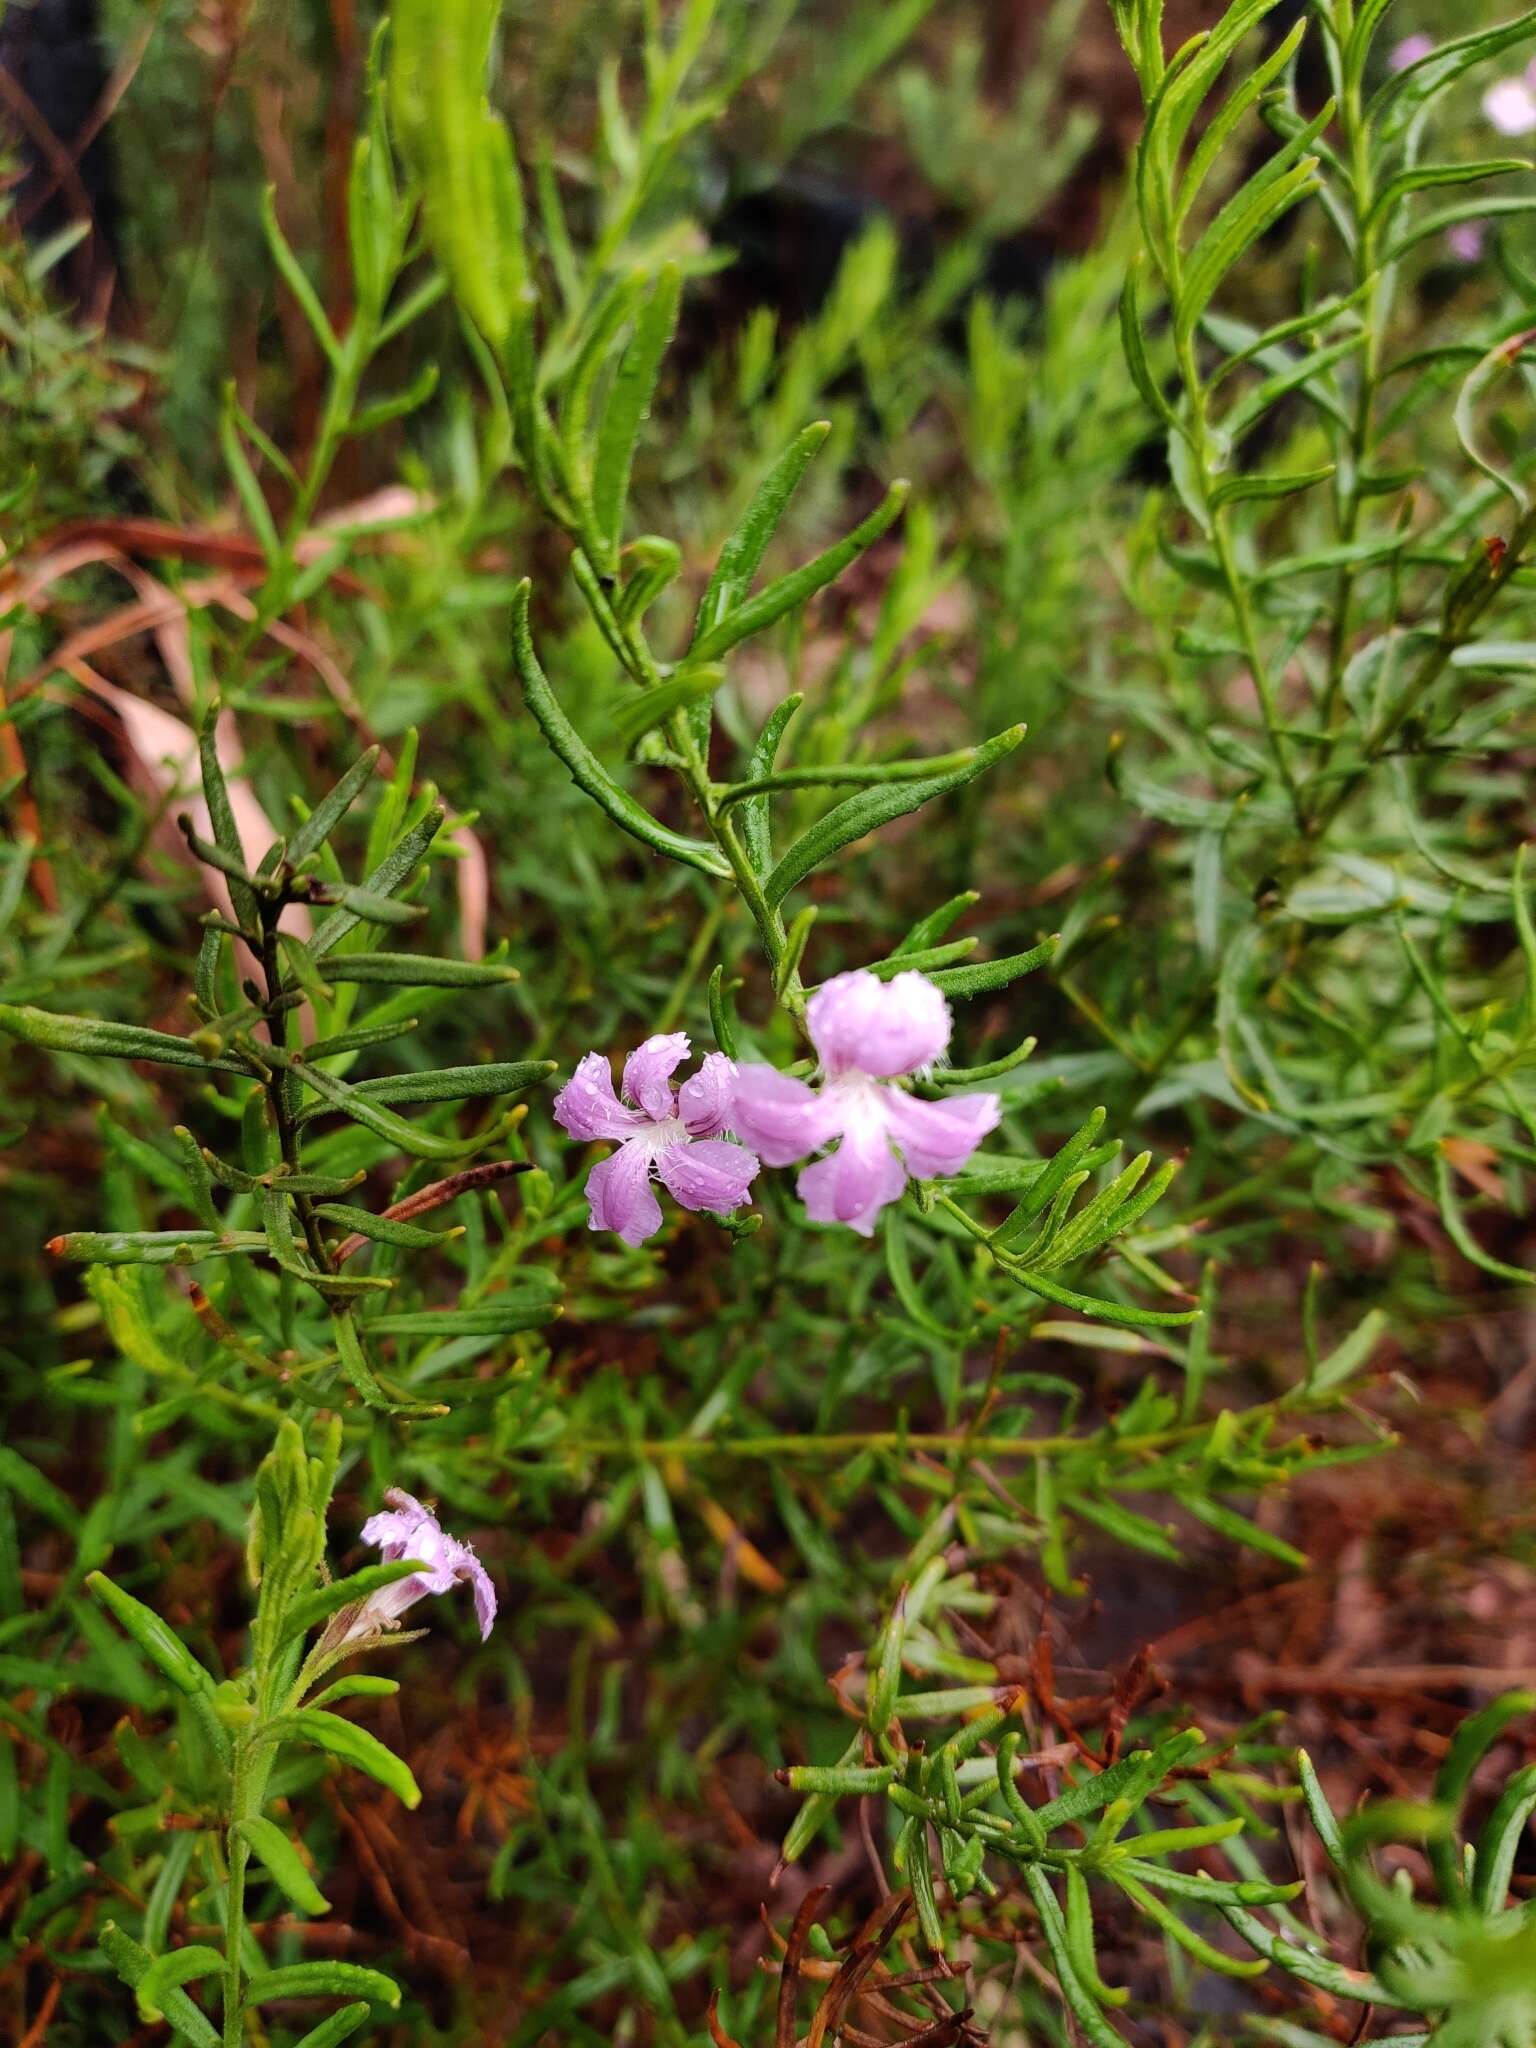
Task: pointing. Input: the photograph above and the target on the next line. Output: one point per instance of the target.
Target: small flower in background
(673, 1133)
(1467, 241)
(1409, 51)
(867, 1032)
(1510, 104)
(407, 1529)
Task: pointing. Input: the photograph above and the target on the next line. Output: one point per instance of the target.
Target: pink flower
(673, 1134)
(1466, 241)
(1409, 51)
(1510, 104)
(867, 1032)
(407, 1529)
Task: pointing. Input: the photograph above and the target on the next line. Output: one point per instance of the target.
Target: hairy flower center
(860, 1100)
(661, 1137)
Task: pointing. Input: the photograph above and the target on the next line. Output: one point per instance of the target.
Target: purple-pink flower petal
(1409, 51)
(708, 1174)
(619, 1194)
(939, 1137)
(856, 1182)
(587, 1107)
(1510, 104)
(407, 1529)
(648, 1073)
(779, 1117)
(859, 1023)
(704, 1100)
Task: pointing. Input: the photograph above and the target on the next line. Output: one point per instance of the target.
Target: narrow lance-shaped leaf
(133, 1962)
(333, 2031)
(872, 808)
(756, 829)
(628, 403)
(455, 1084)
(311, 1608)
(744, 551)
(760, 612)
(283, 1864)
(178, 1966)
(94, 1037)
(352, 1745)
(362, 1109)
(417, 970)
(352, 1354)
(221, 814)
(322, 1980)
(392, 872)
(583, 766)
(159, 1642)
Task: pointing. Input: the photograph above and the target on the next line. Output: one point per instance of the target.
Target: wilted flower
(1510, 103)
(1409, 51)
(867, 1032)
(673, 1133)
(407, 1529)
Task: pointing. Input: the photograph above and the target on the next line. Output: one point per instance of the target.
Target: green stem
(241, 1807)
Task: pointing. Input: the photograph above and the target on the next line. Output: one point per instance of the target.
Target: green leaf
(1193, 1944)
(334, 2030)
(743, 552)
(38, 1491)
(1046, 1183)
(1322, 1814)
(1249, 213)
(164, 1649)
(95, 1038)
(1124, 1525)
(360, 1686)
(383, 1229)
(1427, 177)
(283, 1864)
(310, 1609)
(365, 1110)
(1267, 486)
(352, 1745)
(462, 154)
(859, 815)
(1499, 1843)
(1133, 340)
(152, 1247)
(372, 909)
(486, 1319)
(133, 1963)
(641, 714)
(756, 830)
(455, 1084)
(178, 1966)
(221, 815)
(990, 974)
(295, 276)
(322, 1980)
(1399, 100)
(391, 874)
(1347, 1357)
(583, 766)
(783, 595)
(1092, 1305)
(352, 1355)
(417, 970)
(628, 404)
(1090, 2018)
(1238, 1529)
